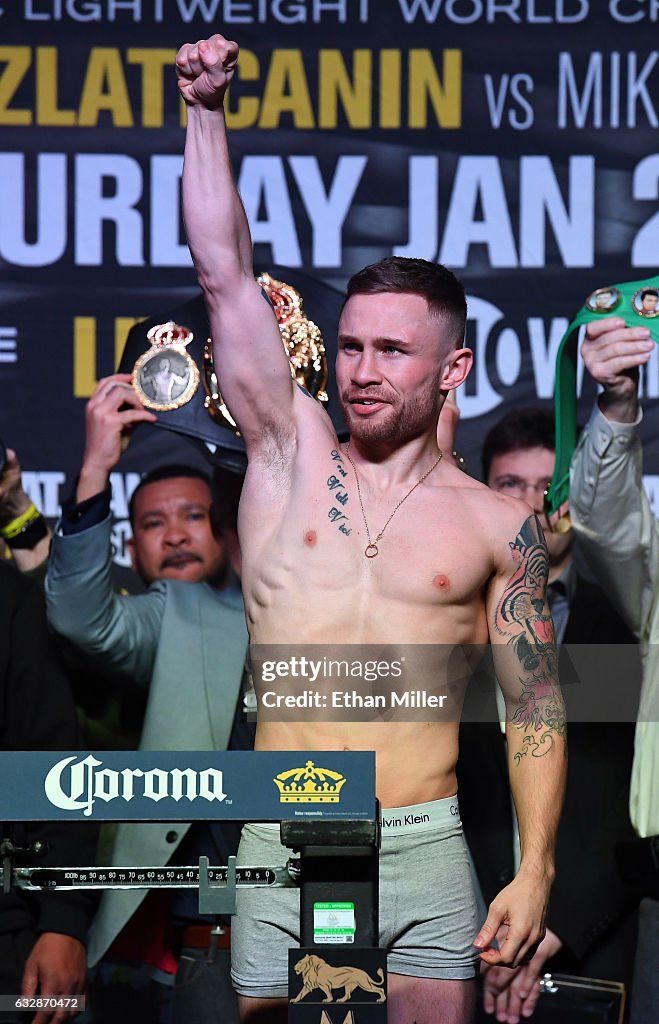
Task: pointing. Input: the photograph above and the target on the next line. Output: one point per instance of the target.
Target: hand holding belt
(624, 300)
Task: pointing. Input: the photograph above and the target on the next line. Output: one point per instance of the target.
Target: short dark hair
(435, 283)
(532, 426)
(169, 471)
(649, 291)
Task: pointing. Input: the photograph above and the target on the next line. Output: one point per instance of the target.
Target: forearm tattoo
(521, 618)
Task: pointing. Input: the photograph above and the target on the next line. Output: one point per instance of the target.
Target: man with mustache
(170, 510)
(378, 541)
(185, 642)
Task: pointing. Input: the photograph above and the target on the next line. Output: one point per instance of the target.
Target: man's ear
(458, 368)
(130, 544)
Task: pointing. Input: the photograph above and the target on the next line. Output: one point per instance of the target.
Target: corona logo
(76, 786)
(309, 785)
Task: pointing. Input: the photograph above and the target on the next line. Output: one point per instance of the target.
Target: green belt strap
(623, 300)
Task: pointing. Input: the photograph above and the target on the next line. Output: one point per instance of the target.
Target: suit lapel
(223, 648)
(197, 671)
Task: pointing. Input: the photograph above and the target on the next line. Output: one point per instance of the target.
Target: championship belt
(637, 302)
(307, 311)
(166, 376)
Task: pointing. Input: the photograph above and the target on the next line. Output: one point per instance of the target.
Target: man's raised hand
(204, 71)
(612, 354)
(111, 414)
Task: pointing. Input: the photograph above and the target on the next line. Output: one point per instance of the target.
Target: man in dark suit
(591, 916)
(42, 935)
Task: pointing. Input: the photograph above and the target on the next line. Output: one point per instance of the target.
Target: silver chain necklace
(371, 549)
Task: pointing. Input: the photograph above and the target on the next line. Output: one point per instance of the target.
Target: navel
(310, 538)
(441, 582)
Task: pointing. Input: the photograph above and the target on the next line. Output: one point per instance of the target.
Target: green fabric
(565, 387)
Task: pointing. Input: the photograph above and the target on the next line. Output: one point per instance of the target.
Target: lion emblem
(316, 973)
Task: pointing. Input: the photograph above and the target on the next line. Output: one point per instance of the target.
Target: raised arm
(81, 602)
(612, 518)
(30, 535)
(522, 635)
(252, 368)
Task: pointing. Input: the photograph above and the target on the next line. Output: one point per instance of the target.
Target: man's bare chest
(324, 539)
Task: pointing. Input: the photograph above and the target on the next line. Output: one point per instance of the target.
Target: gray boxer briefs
(428, 918)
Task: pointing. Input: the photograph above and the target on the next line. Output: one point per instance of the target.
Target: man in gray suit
(185, 638)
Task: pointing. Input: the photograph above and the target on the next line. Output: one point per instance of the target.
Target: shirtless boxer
(417, 553)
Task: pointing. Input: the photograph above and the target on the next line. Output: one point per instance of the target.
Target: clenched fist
(204, 71)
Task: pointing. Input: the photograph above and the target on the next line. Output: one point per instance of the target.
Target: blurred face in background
(526, 474)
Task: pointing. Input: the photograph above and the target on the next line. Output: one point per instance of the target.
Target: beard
(409, 418)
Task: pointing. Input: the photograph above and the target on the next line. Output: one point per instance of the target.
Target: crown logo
(309, 785)
(170, 334)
